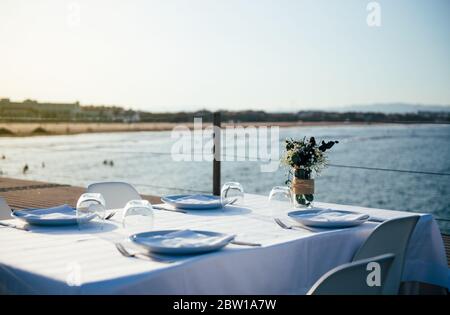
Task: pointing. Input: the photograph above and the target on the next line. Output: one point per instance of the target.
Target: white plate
(33, 216)
(152, 242)
(309, 218)
(204, 202)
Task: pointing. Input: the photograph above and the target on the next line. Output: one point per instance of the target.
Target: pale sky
(170, 55)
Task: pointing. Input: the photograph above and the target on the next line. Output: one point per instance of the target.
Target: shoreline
(73, 128)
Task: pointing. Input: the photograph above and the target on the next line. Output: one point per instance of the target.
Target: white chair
(355, 278)
(390, 237)
(116, 194)
(5, 210)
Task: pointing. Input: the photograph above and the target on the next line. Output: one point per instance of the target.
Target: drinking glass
(91, 204)
(280, 201)
(232, 193)
(138, 217)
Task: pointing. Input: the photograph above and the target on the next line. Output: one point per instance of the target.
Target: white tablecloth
(65, 260)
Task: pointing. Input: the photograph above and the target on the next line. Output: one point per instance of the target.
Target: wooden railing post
(216, 152)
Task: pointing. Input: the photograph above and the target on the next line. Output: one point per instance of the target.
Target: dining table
(74, 260)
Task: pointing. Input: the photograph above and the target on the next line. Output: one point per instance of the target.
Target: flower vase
(302, 187)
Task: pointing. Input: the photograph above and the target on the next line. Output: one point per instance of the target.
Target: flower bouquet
(303, 157)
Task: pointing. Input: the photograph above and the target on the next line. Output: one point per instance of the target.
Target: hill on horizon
(391, 108)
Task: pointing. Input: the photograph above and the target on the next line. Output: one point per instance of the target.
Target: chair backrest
(5, 210)
(362, 277)
(390, 237)
(116, 194)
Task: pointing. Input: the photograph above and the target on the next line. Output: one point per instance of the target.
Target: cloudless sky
(168, 55)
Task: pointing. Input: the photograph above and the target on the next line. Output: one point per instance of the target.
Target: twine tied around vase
(302, 186)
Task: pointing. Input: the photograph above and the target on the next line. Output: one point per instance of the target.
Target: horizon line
(196, 108)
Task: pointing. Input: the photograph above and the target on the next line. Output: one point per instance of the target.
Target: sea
(146, 160)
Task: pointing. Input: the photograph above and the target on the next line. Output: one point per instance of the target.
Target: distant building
(135, 117)
(30, 110)
(33, 109)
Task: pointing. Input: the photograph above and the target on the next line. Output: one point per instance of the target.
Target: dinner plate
(309, 218)
(41, 216)
(159, 242)
(193, 202)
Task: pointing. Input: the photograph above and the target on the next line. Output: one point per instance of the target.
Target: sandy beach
(33, 129)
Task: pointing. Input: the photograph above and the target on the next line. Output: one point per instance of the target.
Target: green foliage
(306, 156)
(30, 110)
(304, 200)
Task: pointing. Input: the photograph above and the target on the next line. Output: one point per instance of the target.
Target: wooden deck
(23, 194)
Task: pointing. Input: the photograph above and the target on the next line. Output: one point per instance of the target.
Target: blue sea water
(78, 160)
